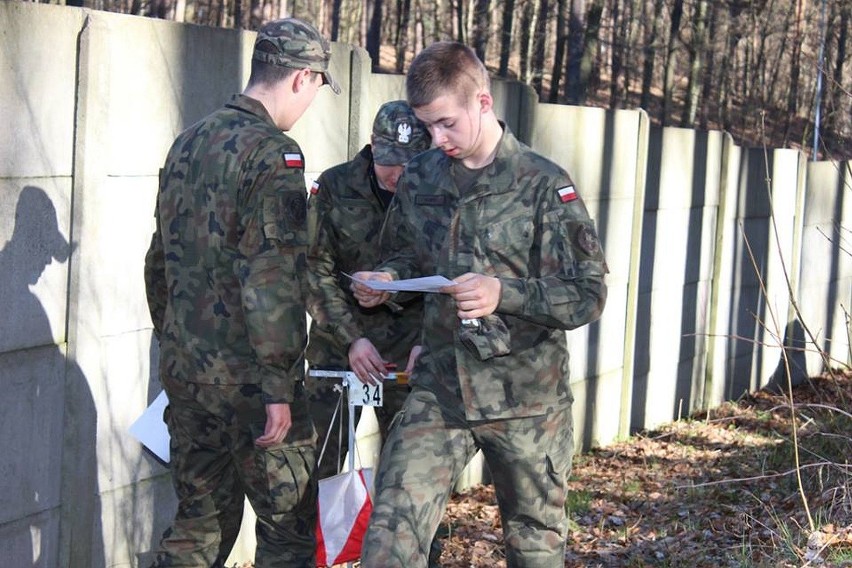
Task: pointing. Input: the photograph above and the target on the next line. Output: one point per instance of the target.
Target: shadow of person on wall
(47, 414)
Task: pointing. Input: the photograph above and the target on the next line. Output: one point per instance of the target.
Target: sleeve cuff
(512, 295)
(278, 391)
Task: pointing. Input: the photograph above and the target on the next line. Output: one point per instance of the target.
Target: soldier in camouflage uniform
(508, 226)
(225, 283)
(346, 210)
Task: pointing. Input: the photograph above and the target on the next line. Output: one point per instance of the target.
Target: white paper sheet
(423, 284)
(150, 429)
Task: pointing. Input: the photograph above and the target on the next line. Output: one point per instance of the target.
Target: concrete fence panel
(825, 281)
(701, 237)
(601, 151)
(680, 207)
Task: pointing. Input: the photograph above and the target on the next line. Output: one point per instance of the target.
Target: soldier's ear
(486, 103)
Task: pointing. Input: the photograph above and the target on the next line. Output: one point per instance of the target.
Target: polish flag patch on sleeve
(293, 160)
(567, 193)
(314, 187)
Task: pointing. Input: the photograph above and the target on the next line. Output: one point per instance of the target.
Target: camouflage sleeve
(156, 289)
(570, 290)
(273, 245)
(397, 241)
(326, 300)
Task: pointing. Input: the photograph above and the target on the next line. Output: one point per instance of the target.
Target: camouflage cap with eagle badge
(294, 43)
(398, 135)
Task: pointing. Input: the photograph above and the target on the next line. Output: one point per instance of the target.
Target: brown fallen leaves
(717, 490)
(714, 491)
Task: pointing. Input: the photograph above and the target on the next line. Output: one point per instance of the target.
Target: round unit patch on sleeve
(587, 240)
(295, 209)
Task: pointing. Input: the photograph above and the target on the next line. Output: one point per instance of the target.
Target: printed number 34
(371, 395)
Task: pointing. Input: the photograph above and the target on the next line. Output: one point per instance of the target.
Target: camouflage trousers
(216, 465)
(324, 399)
(529, 460)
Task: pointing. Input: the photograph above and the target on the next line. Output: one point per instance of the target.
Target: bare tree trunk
(335, 20)
(650, 52)
(671, 63)
(238, 14)
(539, 43)
(180, 10)
(696, 55)
(404, 8)
(374, 31)
(628, 48)
(460, 21)
(588, 75)
(481, 27)
(709, 72)
(795, 70)
(559, 55)
(773, 68)
(506, 37)
(527, 17)
(615, 52)
(573, 81)
(836, 91)
(724, 98)
(419, 35)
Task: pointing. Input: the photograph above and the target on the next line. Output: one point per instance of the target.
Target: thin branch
(765, 475)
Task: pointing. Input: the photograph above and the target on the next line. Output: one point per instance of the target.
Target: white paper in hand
(423, 284)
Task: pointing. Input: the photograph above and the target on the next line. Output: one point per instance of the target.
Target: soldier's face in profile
(388, 176)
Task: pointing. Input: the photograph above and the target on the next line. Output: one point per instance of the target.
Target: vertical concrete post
(633, 274)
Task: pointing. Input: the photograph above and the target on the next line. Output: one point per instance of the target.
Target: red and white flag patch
(567, 193)
(293, 160)
(314, 187)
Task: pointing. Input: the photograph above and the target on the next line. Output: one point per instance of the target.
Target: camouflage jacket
(345, 216)
(225, 270)
(523, 222)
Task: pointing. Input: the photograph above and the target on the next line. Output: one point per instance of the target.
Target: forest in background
(766, 71)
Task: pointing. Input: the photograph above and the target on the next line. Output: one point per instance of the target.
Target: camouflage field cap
(297, 44)
(398, 135)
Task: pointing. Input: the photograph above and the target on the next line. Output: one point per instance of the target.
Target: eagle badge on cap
(403, 133)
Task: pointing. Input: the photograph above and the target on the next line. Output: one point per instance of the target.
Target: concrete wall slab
(31, 422)
(37, 85)
(31, 541)
(35, 224)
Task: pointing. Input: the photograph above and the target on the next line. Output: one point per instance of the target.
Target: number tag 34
(364, 395)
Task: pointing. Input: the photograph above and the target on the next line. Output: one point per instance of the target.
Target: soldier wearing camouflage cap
(346, 209)
(225, 282)
(509, 227)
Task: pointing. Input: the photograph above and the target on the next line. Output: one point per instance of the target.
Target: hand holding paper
(384, 283)
(363, 290)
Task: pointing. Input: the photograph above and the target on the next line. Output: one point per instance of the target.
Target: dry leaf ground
(713, 491)
(717, 490)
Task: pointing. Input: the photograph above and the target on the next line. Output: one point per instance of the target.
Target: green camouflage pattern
(225, 281)
(345, 217)
(225, 270)
(215, 464)
(297, 44)
(529, 458)
(398, 135)
(512, 224)
(500, 384)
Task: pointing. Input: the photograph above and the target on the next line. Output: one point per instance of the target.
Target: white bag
(344, 510)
